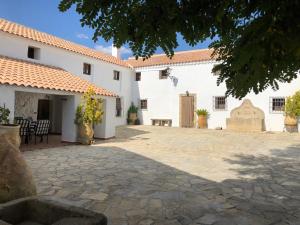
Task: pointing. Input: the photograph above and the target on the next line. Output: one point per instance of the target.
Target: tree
(257, 42)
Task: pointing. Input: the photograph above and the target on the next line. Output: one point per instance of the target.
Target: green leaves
(4, 115)
(257, 42)
(292, 105)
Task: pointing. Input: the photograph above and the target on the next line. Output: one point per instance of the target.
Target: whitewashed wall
(196, 78)
(102, 72)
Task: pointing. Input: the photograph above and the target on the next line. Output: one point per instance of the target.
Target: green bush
(4, 115)
(132, 109)
(292, 105)
(202, 112)
(90, 110)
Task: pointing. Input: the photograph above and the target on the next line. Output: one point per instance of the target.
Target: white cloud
(82, 36)
(108, 49)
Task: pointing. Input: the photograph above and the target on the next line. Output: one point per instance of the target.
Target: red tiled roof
(179, 57)
(28, 74)
(35, 35)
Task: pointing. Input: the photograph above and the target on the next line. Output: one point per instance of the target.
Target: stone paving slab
(177, 176)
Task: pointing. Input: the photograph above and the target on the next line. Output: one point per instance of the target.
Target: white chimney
(116, 52)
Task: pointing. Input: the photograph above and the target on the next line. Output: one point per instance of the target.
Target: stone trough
(46, 211)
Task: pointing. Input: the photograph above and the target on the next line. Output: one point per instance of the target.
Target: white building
(44, 76)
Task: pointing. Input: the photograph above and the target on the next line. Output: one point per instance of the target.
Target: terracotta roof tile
(28, 74)
(35, 35)
(179, 57)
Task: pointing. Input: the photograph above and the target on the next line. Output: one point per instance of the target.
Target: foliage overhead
(90, 110)
(292, 105)
(257, 43)
(4, 115)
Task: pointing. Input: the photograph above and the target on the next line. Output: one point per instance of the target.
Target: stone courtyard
(178, 176)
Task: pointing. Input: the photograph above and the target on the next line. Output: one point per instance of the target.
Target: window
(33, 53)
(277, 104)
(116, 75)
(118, 107)
(163, 74)
(219, 103)
(144, 104)
(87, 68)
(138, 76)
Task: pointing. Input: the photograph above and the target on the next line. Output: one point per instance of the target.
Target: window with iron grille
(163, 74)
(138, 76)
(144, 104)
(277, 104)
(87, 68)
(118, 107)
(116, 75)
(219, 103)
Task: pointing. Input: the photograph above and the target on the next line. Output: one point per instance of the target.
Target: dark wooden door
(187, 111)
(43, 109)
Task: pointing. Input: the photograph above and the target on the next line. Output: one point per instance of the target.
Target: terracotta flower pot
(202, 121)
(16, 180)
(85, 134)
(133, 118)
(291, 124)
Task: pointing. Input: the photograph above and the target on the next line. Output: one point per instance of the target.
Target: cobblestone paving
(175, 176)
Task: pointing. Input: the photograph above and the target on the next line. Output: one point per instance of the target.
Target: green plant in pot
(88, 113)
(292, 112)
(203, 115)
(132, 114)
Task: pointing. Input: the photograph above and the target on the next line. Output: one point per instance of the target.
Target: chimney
(116, 52)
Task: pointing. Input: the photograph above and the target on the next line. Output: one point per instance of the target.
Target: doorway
(187, 110)
(43, 109)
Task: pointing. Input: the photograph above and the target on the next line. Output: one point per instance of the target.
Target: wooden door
(43, 109)
(187, 111)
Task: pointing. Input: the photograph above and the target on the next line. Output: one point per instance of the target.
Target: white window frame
(214, 103)
(271, 104)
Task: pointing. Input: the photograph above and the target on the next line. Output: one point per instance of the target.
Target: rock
(16, 178)
(146, 222)
(207, 219)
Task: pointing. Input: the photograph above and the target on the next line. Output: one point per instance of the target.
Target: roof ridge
(101, 55)
(179, 52)
(34, 63)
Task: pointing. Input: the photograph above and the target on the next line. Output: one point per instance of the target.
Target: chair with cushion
(42, 129)
(24, 128)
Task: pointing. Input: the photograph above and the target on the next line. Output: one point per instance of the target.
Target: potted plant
(5, 126)
(203, 115)
(132, 114)
(292, 112)
(88, 113)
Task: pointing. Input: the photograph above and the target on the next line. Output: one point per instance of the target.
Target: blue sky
(44, 15)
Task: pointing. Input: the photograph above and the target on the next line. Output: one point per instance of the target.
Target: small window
(33, 53)
(219, 103)
(118, 107)
(87, 68)
(138, 76)
(116, 75)
(277, 104)
(144, 104)
(163, 74)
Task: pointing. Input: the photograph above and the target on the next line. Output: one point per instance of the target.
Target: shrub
(90, 110)
(132, 109)
(202, 112)
(292, 105)
(4, 115)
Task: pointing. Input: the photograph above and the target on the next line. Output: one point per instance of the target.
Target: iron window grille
(118, 107)
(163, 74)
(87, 68)
(116, 75)
(277, 104)
(219, 103)
(138, 76)
(144, 104)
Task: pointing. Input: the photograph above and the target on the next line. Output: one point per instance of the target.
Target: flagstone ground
(176, 176)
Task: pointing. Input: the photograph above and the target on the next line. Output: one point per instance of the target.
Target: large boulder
(16, 179)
